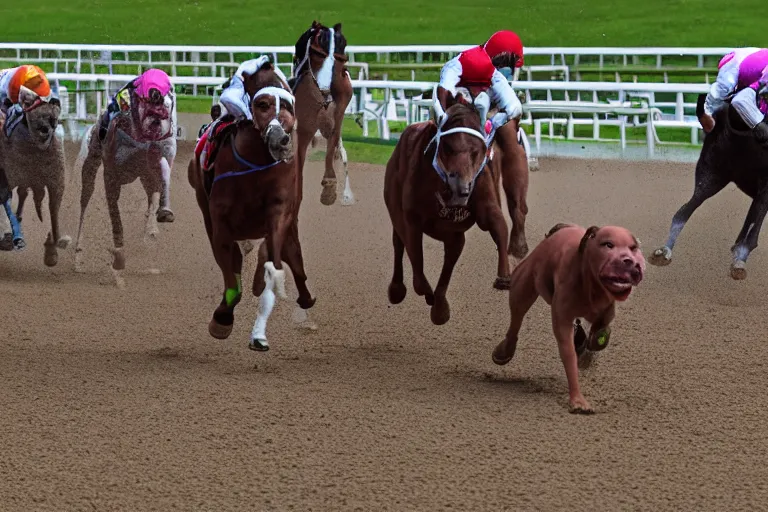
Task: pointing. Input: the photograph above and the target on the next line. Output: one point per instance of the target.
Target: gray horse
(134, 141)
(32, 158)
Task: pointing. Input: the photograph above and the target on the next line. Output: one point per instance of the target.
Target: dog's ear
(557, 227)
(591, 232)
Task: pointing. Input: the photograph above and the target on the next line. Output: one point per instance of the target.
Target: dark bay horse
(323, 89)
(730, 153)
(32, 158)
(252, 191)
(439, 182)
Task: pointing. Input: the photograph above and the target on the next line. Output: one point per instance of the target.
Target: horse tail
(84, 144)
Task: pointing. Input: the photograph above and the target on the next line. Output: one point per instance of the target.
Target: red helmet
(505, 41)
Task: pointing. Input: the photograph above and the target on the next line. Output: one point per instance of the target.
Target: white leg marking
(348, 198)
(302, 320)
(274, 280)
(165, 167)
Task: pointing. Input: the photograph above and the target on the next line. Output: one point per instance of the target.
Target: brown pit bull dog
(581, 273)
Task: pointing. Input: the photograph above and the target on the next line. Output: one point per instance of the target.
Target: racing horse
(440, 181)
(134, 139)
(32, 159)
(730, 153)
(251, 190)
(323, 89)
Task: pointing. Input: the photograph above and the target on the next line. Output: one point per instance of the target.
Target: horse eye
(607, 244)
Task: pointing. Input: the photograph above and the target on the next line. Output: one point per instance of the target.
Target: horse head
(321, 52)
(41, 117)
(272, 109)
(460, 150)
(152, 96)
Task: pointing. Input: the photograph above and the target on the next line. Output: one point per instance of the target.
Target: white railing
(604, 103)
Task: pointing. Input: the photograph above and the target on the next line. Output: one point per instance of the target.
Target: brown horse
(323, 89)
(439, 182)
(251, 191)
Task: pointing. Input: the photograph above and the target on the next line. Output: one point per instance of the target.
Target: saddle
(209, 142)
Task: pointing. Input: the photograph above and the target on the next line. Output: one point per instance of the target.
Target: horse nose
(284, 140)
(463, 190)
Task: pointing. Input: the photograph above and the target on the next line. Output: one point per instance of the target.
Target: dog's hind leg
(522, 295)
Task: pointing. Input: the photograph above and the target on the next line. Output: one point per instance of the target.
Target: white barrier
(628, 100)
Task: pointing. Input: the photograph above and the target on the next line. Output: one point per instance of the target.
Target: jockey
(142, 85)
(234, 98)
(486, 68)
(13, 81)
(738, 71)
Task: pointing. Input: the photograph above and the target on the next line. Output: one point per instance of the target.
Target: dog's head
(612, 255)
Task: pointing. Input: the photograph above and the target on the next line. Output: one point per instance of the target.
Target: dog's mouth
(620, 286)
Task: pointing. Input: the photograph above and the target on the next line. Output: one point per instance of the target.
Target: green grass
(540, 23)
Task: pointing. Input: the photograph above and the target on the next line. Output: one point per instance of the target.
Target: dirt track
(122, 401)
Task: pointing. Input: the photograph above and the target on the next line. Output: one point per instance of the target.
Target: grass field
(539, 23)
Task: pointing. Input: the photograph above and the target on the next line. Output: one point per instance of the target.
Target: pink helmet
(762, 84)
(152, 79)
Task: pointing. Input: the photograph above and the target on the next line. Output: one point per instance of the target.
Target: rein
(250, 166)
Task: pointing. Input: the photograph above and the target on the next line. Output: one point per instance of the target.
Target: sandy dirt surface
(120, 400)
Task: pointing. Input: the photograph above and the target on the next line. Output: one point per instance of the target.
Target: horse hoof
(306, 303)
(502, 283)
(328, 196)
(499, 359)
(661, 257)
(259, 345)
(518, 250)
(440, 312)
(739, 270)
(165, 216)
(429, 298)
(6, 243)
(218, 331)
(599, 340)
(396, 293)
(19, 244)
(51, 259)
(64, 242)
(118, 260)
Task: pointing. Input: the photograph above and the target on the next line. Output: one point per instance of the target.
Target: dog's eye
(607, 244)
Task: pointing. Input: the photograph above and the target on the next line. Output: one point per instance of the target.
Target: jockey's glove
(761, 132)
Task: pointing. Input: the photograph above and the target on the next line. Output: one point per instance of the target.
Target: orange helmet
(31, 77)
(505, 41)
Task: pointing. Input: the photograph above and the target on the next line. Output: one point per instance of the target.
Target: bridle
(445, 176)
(278, 93)
(314, 47)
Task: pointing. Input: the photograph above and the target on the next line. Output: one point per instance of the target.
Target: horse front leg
(55, 240)
(280, 218)
(295, 260)
(223, 320)
(89, 171)
(164, 213)
(112, 189)
(453, 247)
(414, 237)
(747, 241)
(153, 190)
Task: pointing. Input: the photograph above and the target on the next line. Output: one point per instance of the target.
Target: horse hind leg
(397, 290)
(55, 241)
(747, 239)
(328, 195)
(707, 185)
(295, 260)
(164, 213)
(348, 197)
(151, 229)
(118, 256)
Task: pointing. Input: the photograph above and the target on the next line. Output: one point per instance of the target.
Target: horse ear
(27, 97)
(315, 24)
(450, 101)
(337, 27)
(246, 76)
